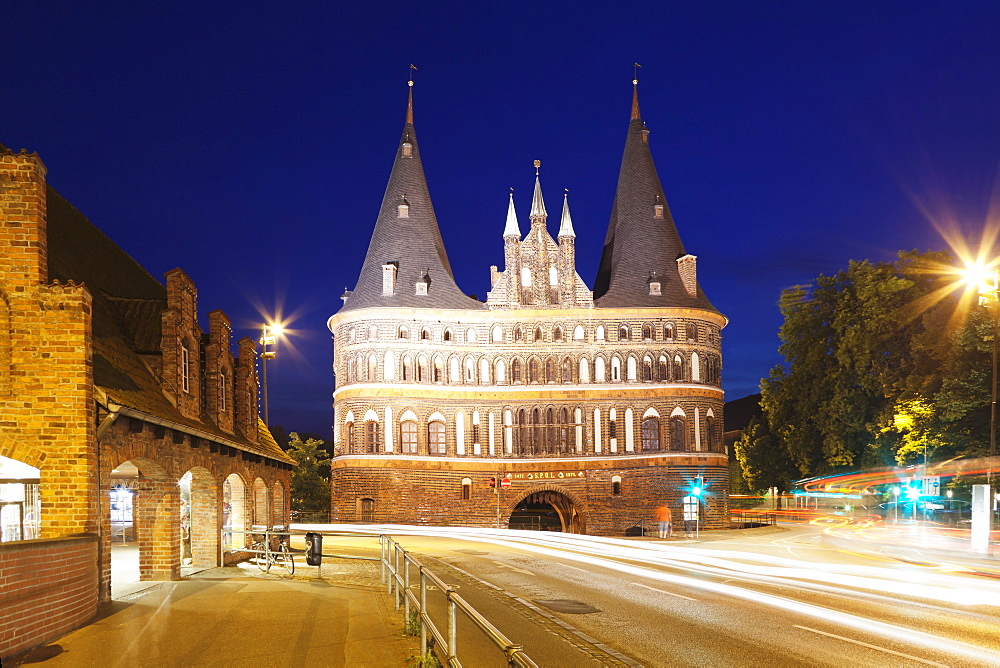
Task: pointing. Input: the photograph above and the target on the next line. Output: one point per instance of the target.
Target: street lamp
(986, 282)
(268, 337)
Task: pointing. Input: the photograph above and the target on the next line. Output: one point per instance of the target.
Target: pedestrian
(666, 521)
(691, 508)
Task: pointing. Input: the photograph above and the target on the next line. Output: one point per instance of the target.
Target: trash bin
(314, 548)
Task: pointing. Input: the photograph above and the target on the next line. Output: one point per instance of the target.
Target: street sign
(932, 485)
(505, 483)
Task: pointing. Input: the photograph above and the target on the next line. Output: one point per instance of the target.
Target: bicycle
(267, 556)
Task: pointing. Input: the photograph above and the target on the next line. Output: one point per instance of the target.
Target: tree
(881, 361)
(311, 478)
(763, 461)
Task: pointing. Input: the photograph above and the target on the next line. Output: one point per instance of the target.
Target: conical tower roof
(642, 241)
(410, 239)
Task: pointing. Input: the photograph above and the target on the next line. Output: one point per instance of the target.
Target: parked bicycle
(270, 549)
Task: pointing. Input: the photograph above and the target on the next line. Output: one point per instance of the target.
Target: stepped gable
(642, 243)
(412, 243)
(127, 325)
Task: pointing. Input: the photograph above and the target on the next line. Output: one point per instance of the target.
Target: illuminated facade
(594, 407)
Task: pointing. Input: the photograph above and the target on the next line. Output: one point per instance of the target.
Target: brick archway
(568, 506)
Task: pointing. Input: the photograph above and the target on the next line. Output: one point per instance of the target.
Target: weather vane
(635, 73)
(412, 68)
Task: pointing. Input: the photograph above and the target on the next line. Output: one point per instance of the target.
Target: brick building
(120, 418)
(592, 407)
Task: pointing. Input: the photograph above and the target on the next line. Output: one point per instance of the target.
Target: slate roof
(637, 243)
(413, 243)
(127, 303)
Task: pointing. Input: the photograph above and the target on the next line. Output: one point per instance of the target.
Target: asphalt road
(792, 597)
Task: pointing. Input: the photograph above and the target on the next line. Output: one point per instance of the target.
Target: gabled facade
(111, 390)
(596, 407)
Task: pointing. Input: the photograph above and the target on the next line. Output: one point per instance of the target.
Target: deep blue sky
(250, 143)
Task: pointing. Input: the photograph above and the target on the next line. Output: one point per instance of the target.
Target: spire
(642, 239)
(409, 104)
(566, 224)
(537, 202)
(407, 236)
(635, 100)
(512, 229)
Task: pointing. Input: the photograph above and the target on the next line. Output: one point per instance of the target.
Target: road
(791, 596)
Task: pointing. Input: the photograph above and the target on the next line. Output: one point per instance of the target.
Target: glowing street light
(268, 337)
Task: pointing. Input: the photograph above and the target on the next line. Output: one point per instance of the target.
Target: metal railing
(397, 577)
(745, 519)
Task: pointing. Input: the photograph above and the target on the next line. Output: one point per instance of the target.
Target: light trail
(611, 548)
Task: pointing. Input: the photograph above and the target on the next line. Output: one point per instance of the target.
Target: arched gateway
(547, 510)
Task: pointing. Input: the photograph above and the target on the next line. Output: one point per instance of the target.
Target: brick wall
(47, 588)
(409, 491)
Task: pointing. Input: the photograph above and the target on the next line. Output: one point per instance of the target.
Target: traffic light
(699, 486)
(492, 482)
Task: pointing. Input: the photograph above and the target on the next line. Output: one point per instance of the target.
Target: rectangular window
(613, 429)
(185, 369)
(223, 391)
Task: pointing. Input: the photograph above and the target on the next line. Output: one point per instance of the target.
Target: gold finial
(538, 163)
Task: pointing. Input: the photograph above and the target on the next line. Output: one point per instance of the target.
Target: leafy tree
(881, 360)
(311, 478)
(763, 461)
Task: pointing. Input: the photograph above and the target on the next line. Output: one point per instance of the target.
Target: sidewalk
(238, 616)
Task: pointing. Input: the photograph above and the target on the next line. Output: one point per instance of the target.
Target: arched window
(599, 333)
(518, 334)
(647, 369)
(567, 370)
(470, 335)
(421, 369)
(466, 489)
(536, 431)
(435, 438)
(616, 485)
(349, 437)
(651, 433)
(599, 375)
(438, 370)
(497, 334)
(623, 333)
(371, 437)
(533, 371)
(550, 436)
(661, 369)
(352, 370)
(557, 334)
(500, 376)
(408, 437)
(404, 333)
(710, 435)
(372, 367)
(678, 369)
(538, 333)
(407, 369)
(522, 434)
(678, 434)
(578, 333)
(668, 331)
(470, 370)
(550, 370)
(647, 332)
(616, 369)
(515, 371)
(447, 335)
(563, 430)
(425, 334)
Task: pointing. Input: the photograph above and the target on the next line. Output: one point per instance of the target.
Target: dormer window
(657, 211)
(645, 135)
(423, 283)
(407, 149)
(654, 284)
(404, 210)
